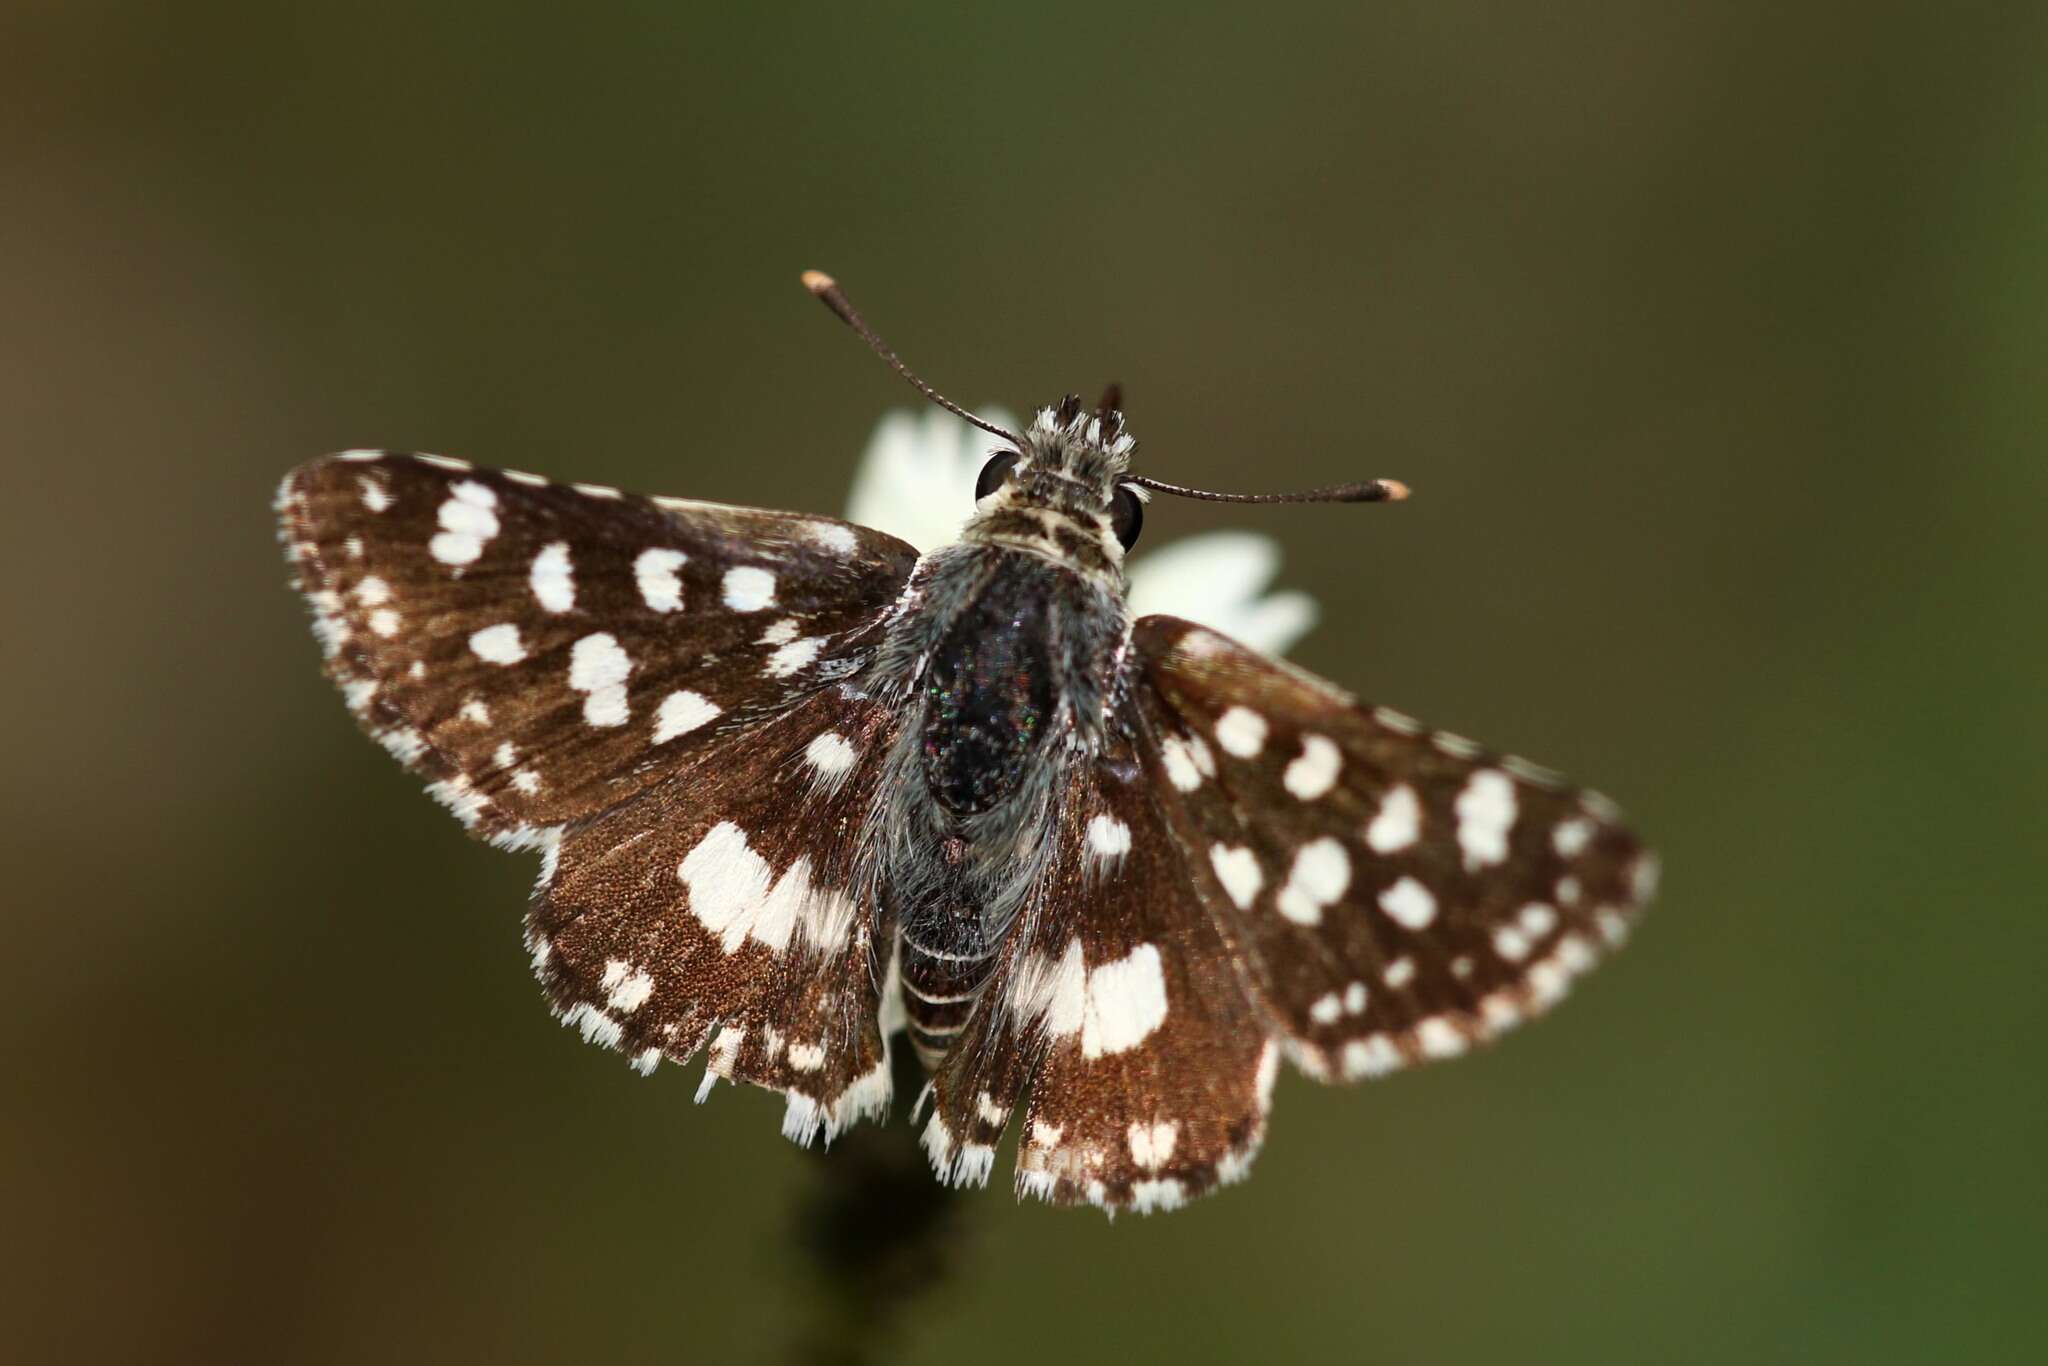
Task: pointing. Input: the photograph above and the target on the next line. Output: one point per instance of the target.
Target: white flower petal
(1217, 579)
(916, 481)
(1230, 566)
(916, 478)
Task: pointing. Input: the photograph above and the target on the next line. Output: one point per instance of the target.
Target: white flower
(916, 481)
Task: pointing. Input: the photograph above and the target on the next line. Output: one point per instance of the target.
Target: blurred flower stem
(878, 1232)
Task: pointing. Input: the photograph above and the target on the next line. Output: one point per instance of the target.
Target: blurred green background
(1711, 337)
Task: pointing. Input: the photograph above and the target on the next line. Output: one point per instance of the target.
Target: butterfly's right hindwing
(541, 652)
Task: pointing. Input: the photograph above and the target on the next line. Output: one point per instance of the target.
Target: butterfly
(798, 789)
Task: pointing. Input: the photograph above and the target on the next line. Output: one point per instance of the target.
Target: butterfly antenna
(827, 289)
(1370, 491)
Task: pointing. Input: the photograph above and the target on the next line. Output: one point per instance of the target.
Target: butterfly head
(1063, 490)
(1060, 491)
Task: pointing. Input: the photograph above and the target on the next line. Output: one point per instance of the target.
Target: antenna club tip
(1396, 491)
(817, 281)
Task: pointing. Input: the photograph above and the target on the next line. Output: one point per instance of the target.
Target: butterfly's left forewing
(1396, 894)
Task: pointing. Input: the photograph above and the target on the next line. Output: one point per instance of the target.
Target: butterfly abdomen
(940, 986)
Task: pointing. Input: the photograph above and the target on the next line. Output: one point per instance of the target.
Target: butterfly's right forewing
(1395, 894)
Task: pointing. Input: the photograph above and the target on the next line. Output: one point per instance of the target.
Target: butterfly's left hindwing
(540, 652)
(1123, 1013)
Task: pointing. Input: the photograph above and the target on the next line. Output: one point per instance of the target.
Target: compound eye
(994, 473)
(1126, 515)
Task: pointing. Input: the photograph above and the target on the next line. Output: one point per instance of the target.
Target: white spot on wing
(788, 659)
(661, 588)
(1179, 759)
(728, 882)
(1486, 813)
(1152, 1144)
(553, 578)
(1571, 836)
(835, 537)
(830, 757)
(1052, 990)
(1126, 1001)
(1238, 870)
(1399, 822)
(732, 896)
(1315, 771)
(682, 711)
(498, 644)
(1409, 903)
(748, 589)
(598, 669)
(467, 520)
(1108, 838)
(626, 987)
(1242, 732)
(1320, 876)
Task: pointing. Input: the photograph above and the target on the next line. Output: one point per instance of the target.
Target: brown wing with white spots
(540, 652)
(723, 906)
(1123, 1013)
(1398, 894)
